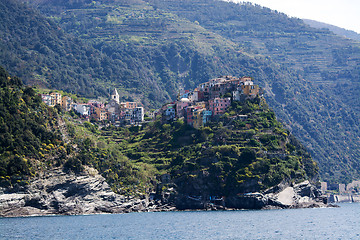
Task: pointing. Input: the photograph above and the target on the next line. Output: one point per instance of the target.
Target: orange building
(129, 105)
(100, 114)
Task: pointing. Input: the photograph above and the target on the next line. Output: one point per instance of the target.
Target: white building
(115, 96)
(138, 114)
(46, 99)
(83, 109)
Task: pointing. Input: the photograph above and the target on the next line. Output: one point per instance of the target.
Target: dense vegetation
(152, 48)
(39, 52)
(28, 137)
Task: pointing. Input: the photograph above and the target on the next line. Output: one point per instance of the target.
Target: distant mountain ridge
(338, 30)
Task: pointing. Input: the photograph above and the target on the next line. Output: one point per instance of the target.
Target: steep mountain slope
(323, 93)
(27, 132)
(39, 52)
(147, 59)
(147, 52)
(311, 77)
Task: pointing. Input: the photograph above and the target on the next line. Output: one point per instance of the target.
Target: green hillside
(29, 141)
(150, 49)
(227, 157)
(39, 52)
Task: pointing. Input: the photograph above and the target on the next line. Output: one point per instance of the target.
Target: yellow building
(66, 103)
(55, 98)
(198, 118)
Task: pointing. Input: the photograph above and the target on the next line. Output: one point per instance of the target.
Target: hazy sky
(341, 13)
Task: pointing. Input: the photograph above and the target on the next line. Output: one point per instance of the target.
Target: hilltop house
(181, 105)
(55, 98)
(47, 99)
(210, 99)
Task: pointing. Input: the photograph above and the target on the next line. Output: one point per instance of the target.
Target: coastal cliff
(242, 158)
(57, 192)
(60, 193)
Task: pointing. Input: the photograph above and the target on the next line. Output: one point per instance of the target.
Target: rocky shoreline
(60, 193)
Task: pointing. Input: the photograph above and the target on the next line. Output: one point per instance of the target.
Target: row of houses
(55, 98)
(115, 111)
(210, 99)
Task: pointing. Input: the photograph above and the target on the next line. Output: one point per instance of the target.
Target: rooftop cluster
(210, 99)
(115, 111)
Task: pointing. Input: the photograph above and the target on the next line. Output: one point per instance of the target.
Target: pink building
(180, 105)
(219, 105)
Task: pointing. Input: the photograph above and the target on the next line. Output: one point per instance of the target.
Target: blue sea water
(323, 223)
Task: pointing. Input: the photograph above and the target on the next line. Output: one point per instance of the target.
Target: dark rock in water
(247, 201)
(183, 202)
(284, 195)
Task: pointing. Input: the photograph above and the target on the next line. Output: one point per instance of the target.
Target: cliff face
(57, 192)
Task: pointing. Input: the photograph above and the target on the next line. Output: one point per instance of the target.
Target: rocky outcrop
(302, 195)
(57, 192)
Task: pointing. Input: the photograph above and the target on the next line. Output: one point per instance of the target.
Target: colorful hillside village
(210, 99)
(196, 107)
(115, 111)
